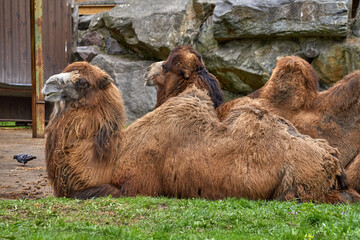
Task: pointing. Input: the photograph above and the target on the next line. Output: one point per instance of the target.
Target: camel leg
(342, 196)
(353, 173)
(98, 191)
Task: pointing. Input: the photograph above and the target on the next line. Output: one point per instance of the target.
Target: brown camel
(189, 69)
(292, 93)
(181, 149)
(333, 114)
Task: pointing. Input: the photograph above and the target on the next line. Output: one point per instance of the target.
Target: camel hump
(292, 85)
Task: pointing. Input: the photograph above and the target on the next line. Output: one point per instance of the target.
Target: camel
(334, 114)
(192, 71)
(180, 149)
(292, 93)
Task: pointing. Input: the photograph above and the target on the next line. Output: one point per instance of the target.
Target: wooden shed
(35, 43)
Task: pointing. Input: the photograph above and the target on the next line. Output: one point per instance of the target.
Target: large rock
(236, 19)
(355, 26)
(129, 78)
(151, 28)
(337, 59)
(243, 66)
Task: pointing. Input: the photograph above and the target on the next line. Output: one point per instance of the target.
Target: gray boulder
(97, 21)
(151, 28)
(337, 58)
(84, 22)
(234, 19)
(113, 47)
(245, 65)
(129, 78)
(355, 26)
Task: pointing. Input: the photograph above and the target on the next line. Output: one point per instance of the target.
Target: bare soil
(16, 180)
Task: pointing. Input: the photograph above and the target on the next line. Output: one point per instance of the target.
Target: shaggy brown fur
(83, 134)
(181, 149)
(333, 114)
(183, 67)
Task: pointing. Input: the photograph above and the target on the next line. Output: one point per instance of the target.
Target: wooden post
(37, 70)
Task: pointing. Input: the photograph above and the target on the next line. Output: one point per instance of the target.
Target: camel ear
(104, 82)
(186, 73)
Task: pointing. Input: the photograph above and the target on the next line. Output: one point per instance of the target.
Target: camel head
(183, 68)
(76, 85)
(154, 75)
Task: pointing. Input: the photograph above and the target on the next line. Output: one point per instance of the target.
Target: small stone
(92, 38)
(113, 47)
(84, 22)
(86, 53)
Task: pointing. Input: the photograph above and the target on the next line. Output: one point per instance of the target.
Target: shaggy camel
(189, 74)
(181, 149)
(292, 93)
(334, 114)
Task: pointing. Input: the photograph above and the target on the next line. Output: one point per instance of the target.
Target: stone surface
(129, 78)
(355, 26)
(92, 38)
(84, 22)
(151, 28)
(245, 65)
(96, 21)
(234, 19)
(310, 48)
(86, 53)
(113, 47)
(337, 59)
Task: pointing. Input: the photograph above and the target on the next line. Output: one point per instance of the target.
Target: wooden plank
(2, 41)
(7, 37)
(15, 49)
(94, 9)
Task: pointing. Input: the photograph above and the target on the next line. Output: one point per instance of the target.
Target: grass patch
(163, 218)
(7, 124)
(13, 125)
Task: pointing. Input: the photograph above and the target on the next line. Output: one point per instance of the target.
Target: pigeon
(24, 158)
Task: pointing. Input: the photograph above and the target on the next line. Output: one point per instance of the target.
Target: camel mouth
(52, 97)
(149, 81)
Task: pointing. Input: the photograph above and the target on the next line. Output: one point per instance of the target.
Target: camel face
(154, 75)
(63, 87)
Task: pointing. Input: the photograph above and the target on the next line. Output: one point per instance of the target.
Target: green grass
(163, 218)
(7, 124)
(13, 125)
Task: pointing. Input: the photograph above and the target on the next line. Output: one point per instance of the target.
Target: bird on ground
(24, 158)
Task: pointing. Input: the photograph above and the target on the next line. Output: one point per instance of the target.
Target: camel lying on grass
(181, 149)
(292, 93)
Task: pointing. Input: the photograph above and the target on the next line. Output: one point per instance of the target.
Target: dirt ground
(16, 180)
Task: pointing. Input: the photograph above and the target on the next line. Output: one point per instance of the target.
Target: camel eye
(82, 83)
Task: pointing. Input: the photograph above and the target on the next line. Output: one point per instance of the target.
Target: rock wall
(239, 40)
